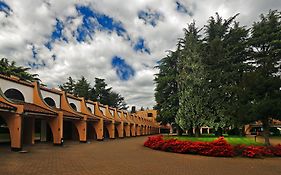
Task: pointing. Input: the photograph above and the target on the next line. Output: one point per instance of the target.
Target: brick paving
(122, 157)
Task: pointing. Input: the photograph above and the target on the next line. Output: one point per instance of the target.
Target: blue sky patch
(150, 17)
(140, 46)
(183, 9)
(57, 34)
(123, 70)
(5, 8)
(34, 65)
(93, 20)
(34, 52)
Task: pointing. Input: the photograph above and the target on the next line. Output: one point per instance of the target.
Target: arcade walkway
(124, 157)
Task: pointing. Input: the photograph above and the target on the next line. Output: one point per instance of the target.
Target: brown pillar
(99, 129)
(81, 126)
(111, 130)
(14, 122)
(146, 130)
(133, 130)
(138, 130)
(56, 125)
(120, 128)
(143, 130)
(127, 130)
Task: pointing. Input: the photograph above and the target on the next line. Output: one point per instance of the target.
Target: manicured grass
(233, 140)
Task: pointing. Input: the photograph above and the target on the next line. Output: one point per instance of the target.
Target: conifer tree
(264, 80)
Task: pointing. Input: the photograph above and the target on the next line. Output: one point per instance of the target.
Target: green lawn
(233, 140)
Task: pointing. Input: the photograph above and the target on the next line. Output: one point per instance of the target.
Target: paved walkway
(124, 157)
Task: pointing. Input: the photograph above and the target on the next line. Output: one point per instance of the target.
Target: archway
(43, 131)
(124, 133)
(91, 132)
(14, 94)
(116, 134)
(70, 132)
(50, 101)
(105, 133)
(4, 132)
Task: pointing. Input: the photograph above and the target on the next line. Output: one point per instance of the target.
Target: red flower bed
(217, 148)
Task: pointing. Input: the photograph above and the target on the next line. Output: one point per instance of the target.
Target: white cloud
(32, 22)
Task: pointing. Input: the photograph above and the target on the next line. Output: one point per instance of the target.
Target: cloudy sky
(120, 41)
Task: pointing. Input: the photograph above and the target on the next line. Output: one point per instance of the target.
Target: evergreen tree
(166, 92)
(99, 92)
(224, 59)
(117, 101)
(82, 88)
(264, 80)
(68, 86)
(210, 71)
(102, 92)
(193, 96)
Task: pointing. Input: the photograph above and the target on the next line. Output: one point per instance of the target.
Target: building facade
(30, 112)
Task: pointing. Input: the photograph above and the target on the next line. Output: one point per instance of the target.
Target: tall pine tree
(82, 88)
(68, 86)
(264, 79)
(166, 92)
(192, 110)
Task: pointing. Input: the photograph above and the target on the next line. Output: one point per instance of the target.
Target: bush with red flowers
(217, 148)
(276, 150)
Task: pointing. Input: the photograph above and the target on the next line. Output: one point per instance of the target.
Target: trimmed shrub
(216, 148)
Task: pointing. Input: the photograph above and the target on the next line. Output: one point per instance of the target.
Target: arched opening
(91, 132)
(70, 132)
(14, 94)
(4, 132)
(50, 101)
(105, 133)
(136, 130)
(116, 132)
(141, 130)
(73, 106)
(43, 131)
(50, 137)
(124, 133)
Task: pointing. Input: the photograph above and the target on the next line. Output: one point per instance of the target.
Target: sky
(119, 41)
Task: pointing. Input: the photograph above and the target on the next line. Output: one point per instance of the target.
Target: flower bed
(217, 148)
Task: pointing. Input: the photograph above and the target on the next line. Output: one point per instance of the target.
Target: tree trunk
(219, 132)
(242, 132)
(190, 132)
(197, 131)
(179, 131)
(265, 125)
